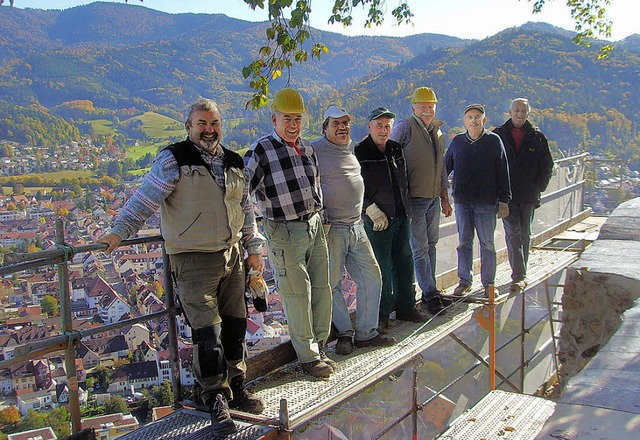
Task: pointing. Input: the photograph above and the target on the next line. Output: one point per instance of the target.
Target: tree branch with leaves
(591, 21)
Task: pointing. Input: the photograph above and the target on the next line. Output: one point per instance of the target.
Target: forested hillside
(114, 61)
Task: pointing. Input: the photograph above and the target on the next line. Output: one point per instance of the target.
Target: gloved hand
(379, 218)
(257, 288)
(503, 209)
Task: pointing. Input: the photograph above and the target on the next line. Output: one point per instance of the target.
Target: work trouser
(298, 252)
(210, 287)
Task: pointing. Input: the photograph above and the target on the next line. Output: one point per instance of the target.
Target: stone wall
(599, 287)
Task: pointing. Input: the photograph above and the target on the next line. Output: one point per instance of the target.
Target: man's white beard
(209, 146)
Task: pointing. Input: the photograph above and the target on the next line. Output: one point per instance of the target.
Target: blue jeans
(350, 248)
(425, 224)
(517, 231)
(393, 254)
(298, 253)
(480, 218)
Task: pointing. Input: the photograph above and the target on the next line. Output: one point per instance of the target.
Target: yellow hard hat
(288, 101)
(423, 94)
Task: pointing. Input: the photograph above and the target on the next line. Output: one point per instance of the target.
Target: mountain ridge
(91, 52)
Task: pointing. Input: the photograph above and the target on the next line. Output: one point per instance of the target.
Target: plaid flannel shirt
(286, 184)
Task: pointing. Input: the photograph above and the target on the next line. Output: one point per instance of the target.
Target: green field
(158, 126)
(140, 172)
(28, 190)
(155, 125)
(59, 175)
(102, 126)
(139, 151)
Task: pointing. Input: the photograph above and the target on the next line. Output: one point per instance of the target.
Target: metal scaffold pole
(492, 337)
(169, 303)
(67, 328)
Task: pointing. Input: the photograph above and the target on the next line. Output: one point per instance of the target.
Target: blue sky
(459, 18)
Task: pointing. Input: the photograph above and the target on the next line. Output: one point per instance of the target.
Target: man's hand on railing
(112, 241)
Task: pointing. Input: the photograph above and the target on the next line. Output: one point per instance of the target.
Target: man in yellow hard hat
(282, 170)
(423, 144)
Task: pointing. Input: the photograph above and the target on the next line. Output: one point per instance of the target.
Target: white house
(112, 306)
(34, 434)
(37, 400)
(111, 426)
(136, 335)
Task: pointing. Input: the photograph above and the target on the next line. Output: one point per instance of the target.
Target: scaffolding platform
(307, 398)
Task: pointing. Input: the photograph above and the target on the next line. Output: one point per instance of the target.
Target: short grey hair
(203, 105)
(524, 101)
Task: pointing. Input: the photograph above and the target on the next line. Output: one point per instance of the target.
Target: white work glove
(257, 288)
(379, 218)
(503, 209)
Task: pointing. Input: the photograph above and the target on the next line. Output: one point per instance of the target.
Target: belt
(305, 217)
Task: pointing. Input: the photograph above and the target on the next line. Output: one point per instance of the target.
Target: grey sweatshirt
(341, 182)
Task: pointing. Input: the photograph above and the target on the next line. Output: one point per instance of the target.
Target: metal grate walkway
(502, 416)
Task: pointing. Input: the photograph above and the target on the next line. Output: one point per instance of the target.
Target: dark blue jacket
(530, 169)
(480, 169)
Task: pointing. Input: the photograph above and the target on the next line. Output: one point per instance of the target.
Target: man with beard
(207, 223)
(423, 144)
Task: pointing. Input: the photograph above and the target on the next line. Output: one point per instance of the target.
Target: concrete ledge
(623, 223)
(599, 341)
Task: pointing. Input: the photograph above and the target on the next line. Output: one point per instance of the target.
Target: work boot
(221, 422)
(244, 400)
(446, 301)
(435, 305)
(517, 286)
(383, 326)
(344, 345)
(462, 289)
(411, 315)
(317, 368)
(324, 358)
(376, 341)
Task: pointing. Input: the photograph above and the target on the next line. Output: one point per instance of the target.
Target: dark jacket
(530, 169)
(377, 169)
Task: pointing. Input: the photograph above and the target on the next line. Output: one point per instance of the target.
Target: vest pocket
(190, 225)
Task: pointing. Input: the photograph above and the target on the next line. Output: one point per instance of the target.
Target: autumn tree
(9, 417)
(49, 305)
